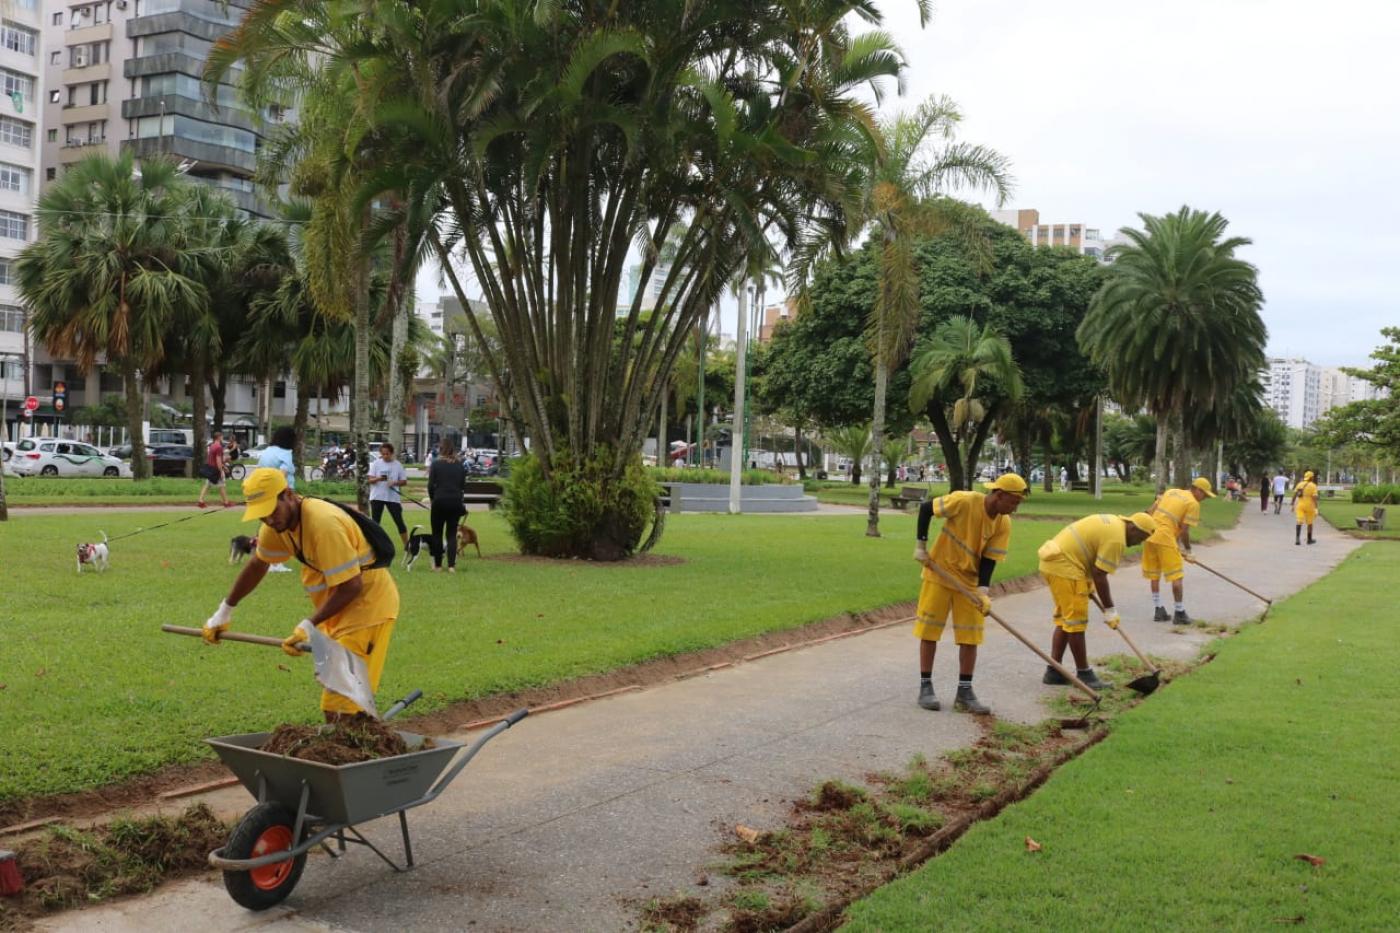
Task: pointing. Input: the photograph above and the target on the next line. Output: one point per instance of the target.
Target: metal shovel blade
(342, 672)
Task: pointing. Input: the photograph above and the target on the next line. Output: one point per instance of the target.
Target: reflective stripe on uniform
(341, 568)
(315, 589)
(959, 542)
(262, 552)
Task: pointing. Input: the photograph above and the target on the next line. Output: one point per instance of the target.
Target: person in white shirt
(386, 477)
(1280, 490)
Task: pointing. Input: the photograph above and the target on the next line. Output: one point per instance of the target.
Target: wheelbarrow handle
(244, 637)
(1065, 672)
(403, 704)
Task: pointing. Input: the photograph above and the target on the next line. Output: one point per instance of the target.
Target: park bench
(482, 492)
(1080, 485)
(1374, 522)
(908, 494)
(670, 497)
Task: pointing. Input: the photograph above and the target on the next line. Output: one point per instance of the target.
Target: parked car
(7, 450)
(170, 459)
(47, 456)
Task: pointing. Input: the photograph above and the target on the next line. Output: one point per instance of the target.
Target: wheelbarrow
(305, 804)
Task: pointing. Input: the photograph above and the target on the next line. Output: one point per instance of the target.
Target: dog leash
(143, 530)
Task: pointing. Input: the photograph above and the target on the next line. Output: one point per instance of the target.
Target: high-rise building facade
(1293, 389)
(1079, 237)
(22, 80)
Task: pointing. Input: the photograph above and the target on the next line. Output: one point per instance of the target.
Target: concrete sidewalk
(570, 819)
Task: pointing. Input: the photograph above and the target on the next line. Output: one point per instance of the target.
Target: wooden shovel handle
(1141, 657)
(226, 636)
(1065, 672)
(1210, 569)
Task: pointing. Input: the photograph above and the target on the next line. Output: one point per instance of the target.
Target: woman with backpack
(447, 480)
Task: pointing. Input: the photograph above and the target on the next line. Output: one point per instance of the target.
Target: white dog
(95, 554)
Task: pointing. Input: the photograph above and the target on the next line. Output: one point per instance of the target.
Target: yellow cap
(262, 487)
(1307, 475)
(1008, 482)
(1142, 520)
(1203, 485)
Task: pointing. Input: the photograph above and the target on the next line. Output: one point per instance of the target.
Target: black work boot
(1053, 677)
(927, 699)
(1310, 537)
(1160, 614)
(1297, 534)
(1180, 618)
(967, 702)
(1091, 680)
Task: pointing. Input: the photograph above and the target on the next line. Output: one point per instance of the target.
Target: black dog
(239, 547)
(417, 543)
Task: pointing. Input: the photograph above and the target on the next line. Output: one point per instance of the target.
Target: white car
(47, 456)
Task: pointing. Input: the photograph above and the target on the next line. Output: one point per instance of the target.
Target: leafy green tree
(1259, 446)
(1374, 423)
(1128, 441)
(116, 266)
(1177, 324)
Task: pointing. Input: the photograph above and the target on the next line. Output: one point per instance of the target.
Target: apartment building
(1081, 238)
(774, 315)
(21, 79)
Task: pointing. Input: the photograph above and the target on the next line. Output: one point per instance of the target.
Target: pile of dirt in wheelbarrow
(66, 867)
(359, 738)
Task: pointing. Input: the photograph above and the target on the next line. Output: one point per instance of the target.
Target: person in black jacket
(447, 479)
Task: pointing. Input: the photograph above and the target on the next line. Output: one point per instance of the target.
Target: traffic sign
(31, 403)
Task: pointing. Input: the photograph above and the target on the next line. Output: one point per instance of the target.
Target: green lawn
(1191, 814)
(160, 490)
(1343, 514)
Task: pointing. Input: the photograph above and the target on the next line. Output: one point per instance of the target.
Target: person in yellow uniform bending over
(1082, 555)
(1175, 511)
(975, 534)
(355, 607)
(1304, 507)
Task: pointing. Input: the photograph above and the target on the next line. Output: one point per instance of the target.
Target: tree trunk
(397, 342)
(797, 453)
(359, 406)
(217, 380)
(891, 475)
(855, 471)
(877, 439)
(1048, 480)
(1159, 458)
(662, 458)
(952, 453)
(198, 366)
(1182, 468)
(140, 469)
(974, 449)
(299, 420)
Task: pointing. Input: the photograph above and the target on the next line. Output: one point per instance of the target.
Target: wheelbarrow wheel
(263, 829)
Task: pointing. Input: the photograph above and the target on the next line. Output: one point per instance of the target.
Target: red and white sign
(31, 403)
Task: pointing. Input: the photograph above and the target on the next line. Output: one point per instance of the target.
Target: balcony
(178, 21)
(84, 113)
(167, 104)
(81, 35)
(205, 154)
(87, 73)
(166, 62)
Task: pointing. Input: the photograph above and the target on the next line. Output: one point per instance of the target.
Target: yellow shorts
(372, 644)
(1306, 516)
(935, 602)
(1162, 560)
(1071, 602)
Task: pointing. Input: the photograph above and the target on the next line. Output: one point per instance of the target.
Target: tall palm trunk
(877, 439)
(1182, 467)
(299, 421)
(398, 339)
(359, 405)
(198, 365)
(1159, 458)
(797, 452)
(1048, 480)
(140, 469)
(662, 458)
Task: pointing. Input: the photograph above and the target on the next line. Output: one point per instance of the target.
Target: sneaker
(1091, 680)
(967, 702)
(1181, 618)
(451, 569)
(1160, 614)
(927, 699)
(1053, 677)
(199, 505)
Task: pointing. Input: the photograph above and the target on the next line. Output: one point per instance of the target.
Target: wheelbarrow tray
(348, 794)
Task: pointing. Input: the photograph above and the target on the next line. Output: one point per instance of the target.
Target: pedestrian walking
(1074, 562)
(1280, 490)
(447, 480)
(1174, 513)
(213, 470)
(974, 538)
(386, 477)
(279, 454)
(1304, 505)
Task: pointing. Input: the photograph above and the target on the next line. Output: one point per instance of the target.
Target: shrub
(579, 510)
(1385, 493)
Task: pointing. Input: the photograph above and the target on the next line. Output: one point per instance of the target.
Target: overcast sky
(1279, 114)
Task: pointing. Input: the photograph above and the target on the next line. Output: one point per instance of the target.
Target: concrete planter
(709, 497)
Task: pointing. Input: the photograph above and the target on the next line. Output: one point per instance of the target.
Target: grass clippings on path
(1197, 813)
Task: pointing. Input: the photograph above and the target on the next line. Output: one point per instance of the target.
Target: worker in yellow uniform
(1081, 556)
(1175, 512)
(1304, 507)
(357, 607)
(975, 535)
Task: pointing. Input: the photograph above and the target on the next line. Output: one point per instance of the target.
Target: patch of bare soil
(680, 914)
(66, 867)
(349, 741)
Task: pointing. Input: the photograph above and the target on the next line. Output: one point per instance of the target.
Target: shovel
(1268, 603)
(337, 669)
(956, 584)
(1148, 682)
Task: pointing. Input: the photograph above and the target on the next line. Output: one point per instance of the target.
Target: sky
(1279, 114)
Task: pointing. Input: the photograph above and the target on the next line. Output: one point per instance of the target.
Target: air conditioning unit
(121, 4)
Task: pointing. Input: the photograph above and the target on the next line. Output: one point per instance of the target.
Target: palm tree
(964, 378)
(893, 453)
(853, 443)
(116, 266)
(1177, 324)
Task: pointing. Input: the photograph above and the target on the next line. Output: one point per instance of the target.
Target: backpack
(379, 541)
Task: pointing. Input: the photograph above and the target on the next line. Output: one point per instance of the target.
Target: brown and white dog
(95, 554)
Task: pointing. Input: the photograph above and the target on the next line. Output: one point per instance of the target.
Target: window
(56, 58)
(50, 174)
(14, 178)
(175, 42)
(86, 134)
(97, 92)
(16, 38)
(16, 132)
(12, 318)
(15, 226)
(58, 19)
(56, 97)
(182, 85)
(12, 82)
(6, 275)
(89, 53)
(53, 136)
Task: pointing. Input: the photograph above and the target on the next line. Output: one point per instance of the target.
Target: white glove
(215, 625)
(1111, 617)
(921, 552)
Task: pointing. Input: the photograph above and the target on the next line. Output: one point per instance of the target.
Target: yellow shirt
(1176, 508)
(1095, 542)
(1306, 491)
(332, 550)
(968, 535)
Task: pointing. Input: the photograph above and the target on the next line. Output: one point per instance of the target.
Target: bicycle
(234, 471)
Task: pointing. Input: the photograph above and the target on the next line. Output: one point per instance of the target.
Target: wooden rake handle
(1209, 569)
(956, 585)
(1141, 657)
(226, 636)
